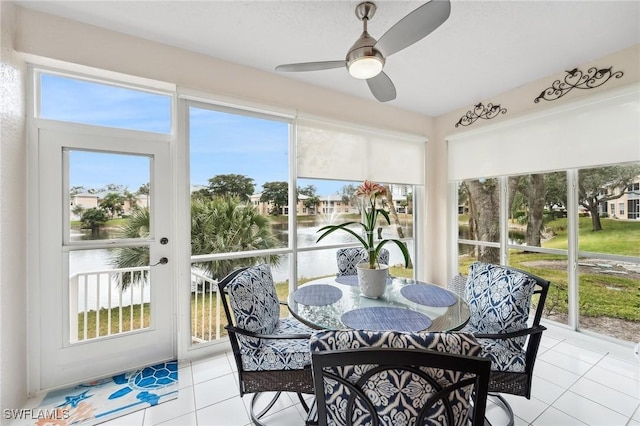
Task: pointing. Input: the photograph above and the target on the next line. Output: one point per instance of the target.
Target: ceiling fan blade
(382, 87)
(413, 27)
(311, 66)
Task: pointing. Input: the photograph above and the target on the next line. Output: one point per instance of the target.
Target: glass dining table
(408, 305)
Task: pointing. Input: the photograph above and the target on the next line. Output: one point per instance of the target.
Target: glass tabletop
(406, 305)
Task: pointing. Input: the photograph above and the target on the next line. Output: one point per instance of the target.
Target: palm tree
(218, 225)
(222, 225)
(136, 226)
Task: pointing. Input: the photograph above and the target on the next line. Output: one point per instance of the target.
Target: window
(562, 147)
(242, 191)
(538, 240)
(341, 157)
(83, 101)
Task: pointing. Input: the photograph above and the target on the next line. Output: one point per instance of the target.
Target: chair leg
(303, 402)
(255, 417)
(501, 402)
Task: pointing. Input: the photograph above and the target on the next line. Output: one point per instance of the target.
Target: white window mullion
(572, 248)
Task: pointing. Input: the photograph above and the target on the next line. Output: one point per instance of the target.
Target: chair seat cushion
(503, 358)
(275, 354)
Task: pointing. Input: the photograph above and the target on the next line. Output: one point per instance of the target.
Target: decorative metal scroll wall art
(480, 111)
(577, 79)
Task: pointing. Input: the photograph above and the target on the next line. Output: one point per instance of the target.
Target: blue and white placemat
(429, 295)
(317, 294)
(386, 318)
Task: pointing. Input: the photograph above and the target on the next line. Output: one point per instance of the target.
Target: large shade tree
(276, 193)
(94, 219)
(231, 184)
(595, 186)
(312, 200)
(483, 198)
(112, 204)
(602, 184)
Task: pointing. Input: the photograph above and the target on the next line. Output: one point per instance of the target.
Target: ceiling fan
(366, 58)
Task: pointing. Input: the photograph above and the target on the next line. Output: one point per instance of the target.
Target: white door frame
(55, 362)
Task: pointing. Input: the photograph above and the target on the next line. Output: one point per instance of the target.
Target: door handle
(162, 261)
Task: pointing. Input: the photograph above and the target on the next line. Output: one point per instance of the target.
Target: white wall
(13, 229)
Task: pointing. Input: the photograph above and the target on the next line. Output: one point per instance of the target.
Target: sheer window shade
(599, 131)
(332, 151)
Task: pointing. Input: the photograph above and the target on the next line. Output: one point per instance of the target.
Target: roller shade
(333, 151)
(599, 131)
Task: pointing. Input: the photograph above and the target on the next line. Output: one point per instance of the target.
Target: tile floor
(580, 380)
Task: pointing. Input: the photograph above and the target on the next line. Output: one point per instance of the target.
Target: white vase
(372, 282)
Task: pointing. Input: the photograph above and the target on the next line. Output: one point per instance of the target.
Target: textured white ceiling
(483, 49)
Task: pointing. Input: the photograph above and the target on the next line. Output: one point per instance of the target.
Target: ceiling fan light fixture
(365, 67)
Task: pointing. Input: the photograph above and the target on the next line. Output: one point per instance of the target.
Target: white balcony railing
(100, 307)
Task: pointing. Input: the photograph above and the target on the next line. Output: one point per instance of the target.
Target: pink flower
(371, 190)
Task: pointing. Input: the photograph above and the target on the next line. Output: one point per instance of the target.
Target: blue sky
(220, 142)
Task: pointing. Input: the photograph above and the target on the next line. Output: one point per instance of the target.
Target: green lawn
(115, 321)
(600, 294)
(617, 236)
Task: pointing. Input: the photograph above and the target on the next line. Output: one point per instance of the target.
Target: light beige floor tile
(287, 417)
(183, 404)
(628, 369)
(230, 412)
(185, 377)
(589, 412)
(283, 402)
(215, 390)
(615, 381)
(546, 391)
(611, 398)
(526, 409)
(555, 417)
(184, 420)
(566, 362)
(636, 415)
(580, 353)
(207, 369)
(554, 374)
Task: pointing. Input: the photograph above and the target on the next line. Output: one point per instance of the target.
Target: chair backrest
(368, 377)
(500, 299)
(348, 258)
(253, 302)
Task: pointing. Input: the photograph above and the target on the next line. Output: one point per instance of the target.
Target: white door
(105, 294)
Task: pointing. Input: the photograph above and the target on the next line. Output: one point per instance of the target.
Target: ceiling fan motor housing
(363, 49)
(363, 60)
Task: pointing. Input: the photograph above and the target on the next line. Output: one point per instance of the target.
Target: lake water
(310, 264)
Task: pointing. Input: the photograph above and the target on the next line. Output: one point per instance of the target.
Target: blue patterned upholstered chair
(500, 303)
(348, 258)
(392, 378)
(271, 353)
